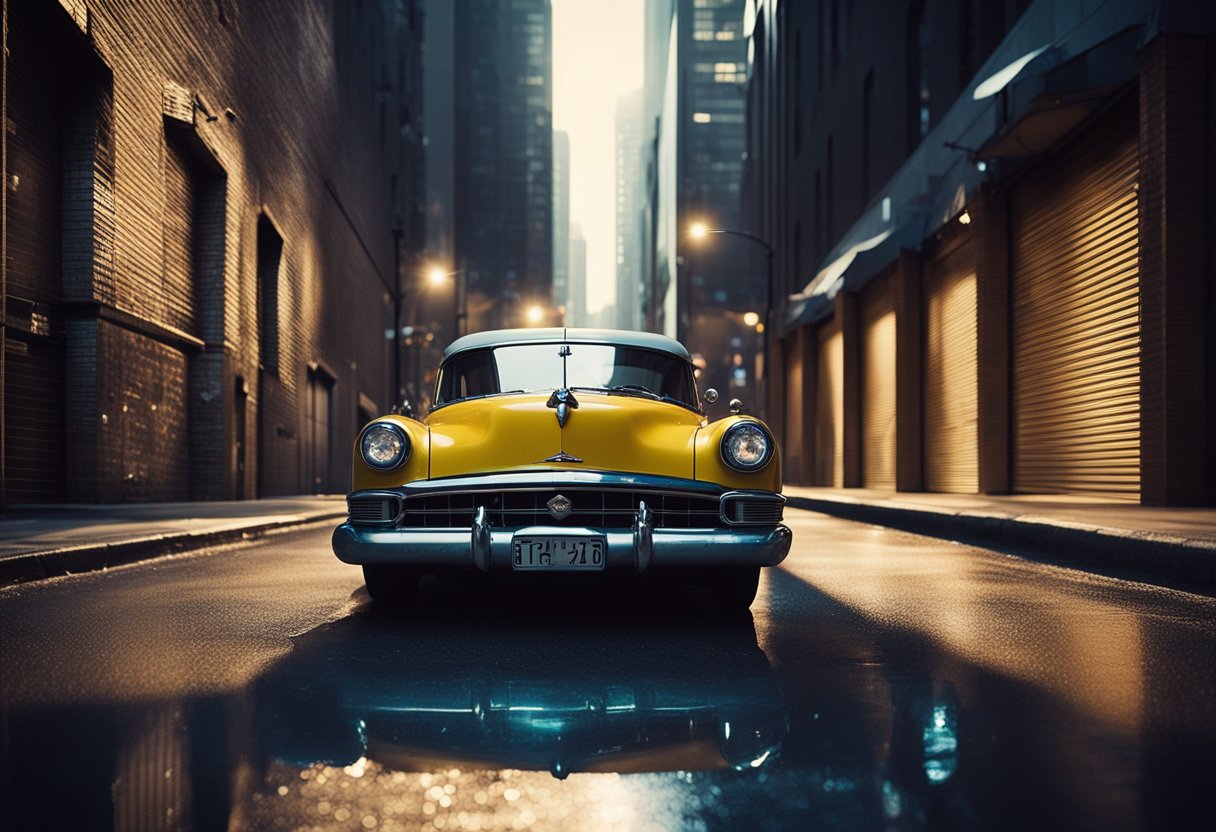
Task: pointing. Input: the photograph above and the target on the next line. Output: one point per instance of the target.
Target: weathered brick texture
(146, 228)
(1175, 275)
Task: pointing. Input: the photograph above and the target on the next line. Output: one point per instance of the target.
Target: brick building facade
(993, 243)
(205, 212)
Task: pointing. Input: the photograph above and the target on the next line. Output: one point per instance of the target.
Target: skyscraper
(630, 181)
(576, 312)
(696, 71)
(500, 62)
(561, 219)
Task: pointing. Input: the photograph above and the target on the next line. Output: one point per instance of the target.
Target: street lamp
(437, 276)
(699, 231)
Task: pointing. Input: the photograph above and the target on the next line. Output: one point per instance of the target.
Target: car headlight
(747, 446)
(384, 446)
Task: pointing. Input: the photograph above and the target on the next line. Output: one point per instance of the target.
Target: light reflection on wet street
(883, 681)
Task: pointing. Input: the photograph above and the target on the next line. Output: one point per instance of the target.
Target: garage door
(829, 407)
(951, 407)
(793, 450)
(878, 384)
(1076, 338)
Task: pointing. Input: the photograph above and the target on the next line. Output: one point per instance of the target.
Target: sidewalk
(45, 541)
(1173, 547)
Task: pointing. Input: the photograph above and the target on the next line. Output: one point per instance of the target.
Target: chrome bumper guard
(637, 549)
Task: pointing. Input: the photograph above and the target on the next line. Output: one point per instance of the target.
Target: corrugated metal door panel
(951, 402)
(1076, 336)
(793, 452)
(878, 384)
(829, 407)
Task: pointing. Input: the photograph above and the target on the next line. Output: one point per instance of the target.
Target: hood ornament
(563, 401)
(560, 507)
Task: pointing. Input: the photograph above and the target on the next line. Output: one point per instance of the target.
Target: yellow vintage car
(566, 450)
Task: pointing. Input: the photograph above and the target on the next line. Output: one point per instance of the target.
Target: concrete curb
(72, 560)
(1161, 559)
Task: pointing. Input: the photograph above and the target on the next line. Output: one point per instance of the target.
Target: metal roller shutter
(1076, 337)
(951, 404)
(793, 452)
(829, 407)
(878, 384)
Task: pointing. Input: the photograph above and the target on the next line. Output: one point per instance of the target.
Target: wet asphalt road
(882, 681)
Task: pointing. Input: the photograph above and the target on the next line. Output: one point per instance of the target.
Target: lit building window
(702, 118)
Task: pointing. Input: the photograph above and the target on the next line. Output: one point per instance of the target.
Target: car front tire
(390, 583)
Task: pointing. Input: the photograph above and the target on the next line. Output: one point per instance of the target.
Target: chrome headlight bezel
(379, 428)
(736, 431)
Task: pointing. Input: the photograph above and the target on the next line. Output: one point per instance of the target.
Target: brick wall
(183, 123)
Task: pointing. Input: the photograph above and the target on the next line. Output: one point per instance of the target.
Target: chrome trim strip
(671, 548)
(544, 478)
(479, 546)
(643, 538)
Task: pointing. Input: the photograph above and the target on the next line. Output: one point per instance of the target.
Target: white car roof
(567, 335)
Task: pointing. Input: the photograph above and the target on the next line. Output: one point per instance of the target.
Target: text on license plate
(559, 553)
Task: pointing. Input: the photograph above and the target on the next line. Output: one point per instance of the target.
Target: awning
(1058, 63)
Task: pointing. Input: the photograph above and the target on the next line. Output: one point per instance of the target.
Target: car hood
(604, 432)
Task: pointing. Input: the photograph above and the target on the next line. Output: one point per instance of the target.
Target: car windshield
(526, 368)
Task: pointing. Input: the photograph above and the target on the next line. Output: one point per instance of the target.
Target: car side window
(468, 375)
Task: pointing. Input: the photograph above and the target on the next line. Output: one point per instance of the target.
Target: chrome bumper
(637, 549)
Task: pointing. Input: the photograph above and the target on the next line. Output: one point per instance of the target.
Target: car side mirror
(736, 406)
(710, 396)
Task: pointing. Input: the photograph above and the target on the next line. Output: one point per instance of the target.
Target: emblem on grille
(560, 507)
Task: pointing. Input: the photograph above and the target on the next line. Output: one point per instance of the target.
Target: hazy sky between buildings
(597, 58)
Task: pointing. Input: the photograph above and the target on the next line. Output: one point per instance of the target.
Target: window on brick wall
(867, 127)
(917, 59)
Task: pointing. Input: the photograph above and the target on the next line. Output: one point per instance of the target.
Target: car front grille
(752, 509)
(373, 509)
(598, 508)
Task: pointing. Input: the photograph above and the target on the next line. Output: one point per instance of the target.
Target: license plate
(559, 553)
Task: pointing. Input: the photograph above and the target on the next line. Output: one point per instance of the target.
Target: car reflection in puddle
(541, 692)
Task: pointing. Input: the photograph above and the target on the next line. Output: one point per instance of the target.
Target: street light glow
(437, 276)
(535, 313)
(751, 318)
(698, 230)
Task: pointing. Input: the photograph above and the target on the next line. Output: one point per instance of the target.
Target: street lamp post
(699, 231)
